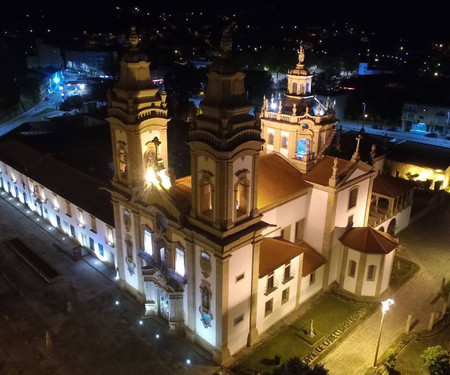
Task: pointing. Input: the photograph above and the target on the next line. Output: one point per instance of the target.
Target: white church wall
(315, 222)
(402, 219)
(358, 211)
(279, 309)
(387, 269)
(78, 225)
(206, 333)
(285, 215)
(308, 289)
(350, 282)
(239, 297)
(336, 256)
(369, 287)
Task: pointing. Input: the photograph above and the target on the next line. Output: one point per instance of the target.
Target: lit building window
(284, 142)
(109, 236)
(55, 202)
(271, 139)
(242, 197)
(93, 224)
(80, 218)
(179, 262)
(148, 244)
(268, 307)
(206, 195)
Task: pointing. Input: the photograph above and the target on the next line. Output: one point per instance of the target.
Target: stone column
(136, 220)
(191, 290)
(253, 334)
(119, 243)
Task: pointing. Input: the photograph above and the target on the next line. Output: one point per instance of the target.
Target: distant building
(365, 70)
(90, 61)
(424, 118)
(47, 55)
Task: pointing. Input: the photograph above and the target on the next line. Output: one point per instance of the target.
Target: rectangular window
(299, 225)
(270, 284)
(55, 202)
(91, 244)
(80, 218)
(352, 197)
(352, 268)
(58, 221)
(179, 262)
(148, 244)
(270, 140)
(100, 249)
(109, 236)
(287, 272)
(240, 277)
(285, 296)
(72, 230)
(284, 142)
(268, 307)
(93, 224)
(312, 278)
(350, 221)
(371, 273)
(68, 210)
(239, 319)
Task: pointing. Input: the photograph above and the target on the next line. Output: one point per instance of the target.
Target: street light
(364, 114)
(384, 307)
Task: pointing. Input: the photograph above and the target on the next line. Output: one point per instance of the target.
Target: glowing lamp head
(82, 86)
(273, 105)
(56, 80)
(151, 177)
(385, 305)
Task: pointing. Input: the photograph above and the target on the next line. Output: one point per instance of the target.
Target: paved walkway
(95, 335)
(426, 243)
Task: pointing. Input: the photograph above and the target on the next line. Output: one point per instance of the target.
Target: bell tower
(137, 115)
(225, 142)
(138, 119)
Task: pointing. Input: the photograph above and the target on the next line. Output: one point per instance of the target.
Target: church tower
(138, 119)
(225, 142)
(298, 125)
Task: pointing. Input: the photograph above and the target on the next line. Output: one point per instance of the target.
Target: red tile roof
(275, 252)
(278, 180)
(391, 186)
(369, 241)
(321, 173)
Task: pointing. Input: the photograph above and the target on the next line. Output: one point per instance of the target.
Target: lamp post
(364, 114)
(384, 307)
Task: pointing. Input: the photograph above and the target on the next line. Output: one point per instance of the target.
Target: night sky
(428, 19)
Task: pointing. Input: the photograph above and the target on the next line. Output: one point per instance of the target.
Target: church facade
(265, 220)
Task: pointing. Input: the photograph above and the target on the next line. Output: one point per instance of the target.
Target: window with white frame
(179, 262)
(148, 244)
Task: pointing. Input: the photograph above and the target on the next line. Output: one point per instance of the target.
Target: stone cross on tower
(334, 179)
(355, 156)
(133, 38)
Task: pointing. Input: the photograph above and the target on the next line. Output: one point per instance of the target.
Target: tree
(71, 103)
(436, 360)
(257, 83)
(391, 359)
(295, 366)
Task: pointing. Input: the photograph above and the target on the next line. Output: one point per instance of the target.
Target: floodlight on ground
(188, 361)
(117, 303)
(141, 322)
(157, 335)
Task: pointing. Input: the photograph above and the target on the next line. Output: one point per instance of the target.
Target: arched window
(148, 244)
(242, 192)
(271, 138)
(352, 196)
(206, 195)
(180, 267)
(294, 88)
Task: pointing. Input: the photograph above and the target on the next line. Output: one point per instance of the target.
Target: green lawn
(402, 270)
(328, 312)
(408, 361)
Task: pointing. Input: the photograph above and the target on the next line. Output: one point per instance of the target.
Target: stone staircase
(327, 143)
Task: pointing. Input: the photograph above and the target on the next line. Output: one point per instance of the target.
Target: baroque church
(266, 220)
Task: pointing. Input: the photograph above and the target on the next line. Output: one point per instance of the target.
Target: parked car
(431, 135)
(392, 129)
(377, 127)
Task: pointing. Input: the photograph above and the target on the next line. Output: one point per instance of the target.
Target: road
(399, 135)
(30, 115)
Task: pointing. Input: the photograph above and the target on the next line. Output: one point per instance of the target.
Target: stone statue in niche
(205, 264)
(129, 252)
(205, 307)
(122, 158)
(127, 220)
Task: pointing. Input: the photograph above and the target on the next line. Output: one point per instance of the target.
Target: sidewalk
(426, 243)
